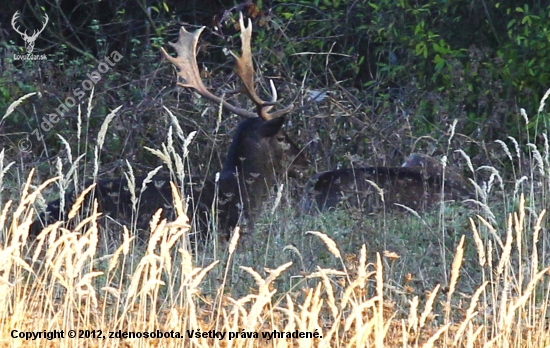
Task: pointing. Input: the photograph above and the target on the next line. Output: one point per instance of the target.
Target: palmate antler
(186, 62)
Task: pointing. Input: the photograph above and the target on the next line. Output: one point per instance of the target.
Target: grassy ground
(409, 288)
(465, 274)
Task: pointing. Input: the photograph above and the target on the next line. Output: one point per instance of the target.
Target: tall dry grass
(62, 281)
(58, 283)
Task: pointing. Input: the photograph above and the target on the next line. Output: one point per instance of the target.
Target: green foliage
(526, 54)
(393, 71)
(475, 61)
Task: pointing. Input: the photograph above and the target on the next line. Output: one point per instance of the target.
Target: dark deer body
(419, 184)
(115, 201)
(256, 161)
(259, 156)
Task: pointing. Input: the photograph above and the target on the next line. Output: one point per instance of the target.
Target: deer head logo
(29, 40)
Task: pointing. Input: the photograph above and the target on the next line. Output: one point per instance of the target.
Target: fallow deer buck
(420, 183)
(260, 154)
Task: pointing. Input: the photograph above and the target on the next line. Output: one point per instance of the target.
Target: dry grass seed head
(78, 203)
(538, 158)
(410, 210)
(67, 148)
(536, 231)
(472, 335)
(480, 192)
(295, 251)
(429, 306)
(4, 215)
(41, 238)
(491, 229)
(27, 198)
(470, 312)
(186, 262)
(331, 245)
(15, 104)
(149, 178)
(518, 183)
(546, 150)
(187, 142)
(169, 151)
(131, 180)
(164, 157)
(278, 199)
(92, 218)
(105, 127)
(507, 250)
(349, 291)
(467, 158)
(175, 122)
(377, 188)
(88, 242)
(485, 208)
(291, 315)
(113, 262)
(157, 231)
(200, 276)
(330, 292)
(178, 203)
(357, 317)
(452, 131)
(85, 288)
(142, 275)
(435, 337)
(505, 148)
(479, 243)
(234, 240)
(524, 115)
(362, 271)
(379, 277)
(455, 272)
(520, 302)
(413, 315)
(543, 101)
(516, 146)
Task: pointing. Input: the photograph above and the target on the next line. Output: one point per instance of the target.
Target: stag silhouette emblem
(29, 40)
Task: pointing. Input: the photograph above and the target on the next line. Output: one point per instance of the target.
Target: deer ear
(270, 128)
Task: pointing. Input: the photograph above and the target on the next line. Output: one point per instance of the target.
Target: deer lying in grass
(260, 154)
(418, 184)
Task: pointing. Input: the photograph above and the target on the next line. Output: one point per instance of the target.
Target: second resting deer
(420, 183)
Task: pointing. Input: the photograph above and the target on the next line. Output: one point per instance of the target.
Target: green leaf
(421, 50)
(439, 62)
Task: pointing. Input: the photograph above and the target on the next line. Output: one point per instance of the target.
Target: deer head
(29, 40)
